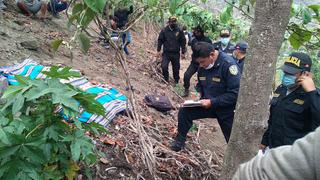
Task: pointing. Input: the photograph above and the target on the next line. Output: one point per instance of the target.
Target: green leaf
(4, 137)
(88, 173)
(35, 93)
(34, 154)
(70, 103)
(315, 8)
(12, 91)
(226, 15)
(252, 2)
(152, 3)
(22, 80)
(56, 44)
(77, 9)
(85, 19)
(75, 150)
(173, 5)
(72, 170)
(294, 41)
(84, 42)
(62, 73)
(17, 104)
(306, 16)
(96, 5)
(7, 151)
(89, 103)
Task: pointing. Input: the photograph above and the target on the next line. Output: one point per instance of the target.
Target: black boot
(185, 93)
(178, 143)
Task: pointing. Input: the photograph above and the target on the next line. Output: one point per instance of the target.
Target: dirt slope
(22, 37)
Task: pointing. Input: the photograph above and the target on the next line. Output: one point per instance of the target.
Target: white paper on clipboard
(192, 103)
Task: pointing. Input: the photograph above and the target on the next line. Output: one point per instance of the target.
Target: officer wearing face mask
(172, 38)
(224, 44)
(295, 106)
(218, 85)
(198, 36)
(239, 54)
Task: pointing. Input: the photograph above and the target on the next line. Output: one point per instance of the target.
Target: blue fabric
(35, 72)
(126, 40)
(56, 6)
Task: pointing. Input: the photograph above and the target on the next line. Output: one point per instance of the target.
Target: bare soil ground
(22, 37)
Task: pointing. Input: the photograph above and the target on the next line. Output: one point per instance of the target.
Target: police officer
(218, 84)
(295, 106)
(224, 44)
(199, 36)
(172, 38)
(239, 54)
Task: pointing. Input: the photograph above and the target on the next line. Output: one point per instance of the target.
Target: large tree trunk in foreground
(265, 39)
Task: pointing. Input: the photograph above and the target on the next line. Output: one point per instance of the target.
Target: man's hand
(305, 80)
(262, 147)
(183, 56)
(206, 103)
(158, 55)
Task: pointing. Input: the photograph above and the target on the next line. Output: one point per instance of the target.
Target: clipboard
(192, 103)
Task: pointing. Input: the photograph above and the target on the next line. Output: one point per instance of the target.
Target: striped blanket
(113, 101)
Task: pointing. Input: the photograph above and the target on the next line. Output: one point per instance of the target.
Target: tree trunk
(265, 39)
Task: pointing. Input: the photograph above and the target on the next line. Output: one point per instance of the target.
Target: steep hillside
(22, 37)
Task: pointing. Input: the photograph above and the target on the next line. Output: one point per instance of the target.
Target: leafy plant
(35, 141)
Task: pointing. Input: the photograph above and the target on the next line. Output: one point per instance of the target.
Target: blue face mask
(225, 41)
(289, 80)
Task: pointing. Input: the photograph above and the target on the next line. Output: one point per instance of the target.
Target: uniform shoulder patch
(299, 101)
(233, 70)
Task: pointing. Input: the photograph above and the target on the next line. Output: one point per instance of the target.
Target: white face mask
(210, 66)
(225, 41)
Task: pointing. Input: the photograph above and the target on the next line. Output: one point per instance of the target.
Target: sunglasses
(224, 35)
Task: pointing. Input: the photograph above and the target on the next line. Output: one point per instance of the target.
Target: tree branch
(244, 13)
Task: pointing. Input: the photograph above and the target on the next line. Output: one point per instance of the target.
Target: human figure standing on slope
(172, 39)
(198, 36)
(218, 85)
(121, 18)
(224, 44)
(239, 54)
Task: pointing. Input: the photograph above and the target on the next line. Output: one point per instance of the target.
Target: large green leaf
(70, 103)
(96, 5)
(75, 148)
(62, 73)
(3, 136)
(33, 153)
(12, 91)
(84, 42)
(89, 103)
(7, 151)
(35, 93)
(17, 104)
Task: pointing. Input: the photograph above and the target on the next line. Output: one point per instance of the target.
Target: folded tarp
(113, 101)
